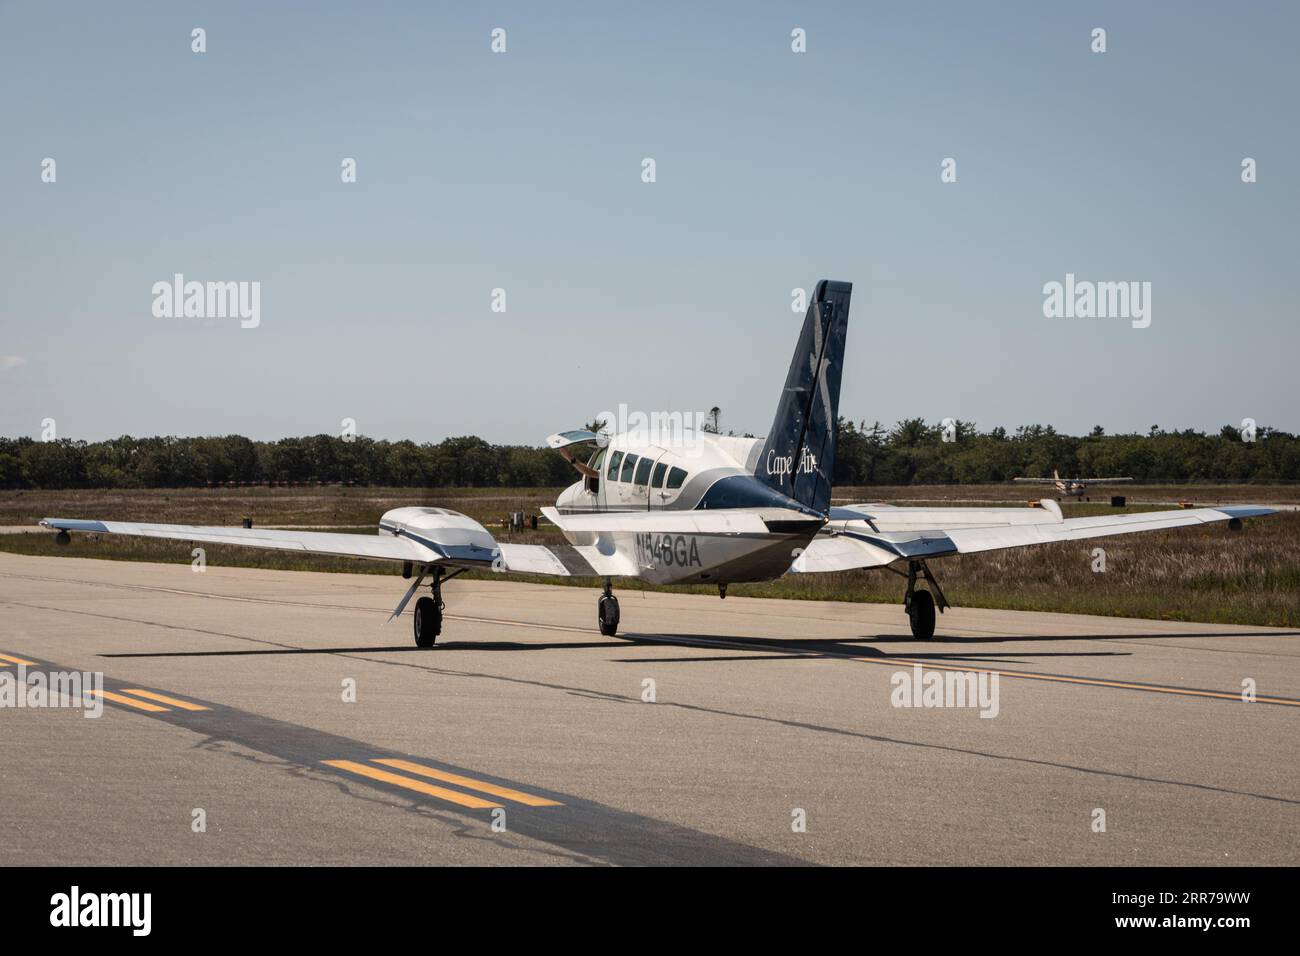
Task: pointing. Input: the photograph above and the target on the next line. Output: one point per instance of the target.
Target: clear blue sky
(522, 171)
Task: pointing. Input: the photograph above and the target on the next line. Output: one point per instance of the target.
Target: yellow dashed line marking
(7, 660)
(470, 783)
(374, 773)
(164, 699)
(129, 701)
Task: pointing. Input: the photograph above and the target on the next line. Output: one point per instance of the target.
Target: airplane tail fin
(798, 458)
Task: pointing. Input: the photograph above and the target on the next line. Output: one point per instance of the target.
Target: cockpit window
(614, 461)
(629, 465)
(596, 460)
(676, 477)
(643, 471)
(660, 470)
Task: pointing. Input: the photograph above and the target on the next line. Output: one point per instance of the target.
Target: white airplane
(1073, 487)
(713, 509)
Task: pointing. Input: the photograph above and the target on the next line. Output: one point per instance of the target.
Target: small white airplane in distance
(714, 510)
(1073, 487)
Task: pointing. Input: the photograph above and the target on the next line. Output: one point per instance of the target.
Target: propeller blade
(410, 593)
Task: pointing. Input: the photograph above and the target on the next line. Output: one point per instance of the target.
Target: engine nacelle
(449, 533)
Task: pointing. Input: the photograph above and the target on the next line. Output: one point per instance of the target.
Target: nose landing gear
(607, 612)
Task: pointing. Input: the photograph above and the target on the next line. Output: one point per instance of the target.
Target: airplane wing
(864, 542)
(1036, 481)
(564, 561)
(375, 547)
(447, 542)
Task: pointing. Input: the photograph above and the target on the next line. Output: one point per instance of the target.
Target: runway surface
(525, 737)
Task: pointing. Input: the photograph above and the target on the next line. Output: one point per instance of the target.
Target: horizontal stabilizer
(665, 522)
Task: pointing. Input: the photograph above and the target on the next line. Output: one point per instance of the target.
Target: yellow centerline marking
(129, 701)
(469, 783)
(374, 773)
(164, 699)
(15, 660)
(1094, 682)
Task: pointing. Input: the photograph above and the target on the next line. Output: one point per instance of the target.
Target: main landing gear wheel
(920, 605)
(428, 621)
(607, 613)
(921, 613)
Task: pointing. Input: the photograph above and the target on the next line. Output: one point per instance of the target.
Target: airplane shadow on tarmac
(780, 648)
(814, 648)
(373, 649)
(864, 646)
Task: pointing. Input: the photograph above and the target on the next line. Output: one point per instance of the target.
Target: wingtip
(1246, 511)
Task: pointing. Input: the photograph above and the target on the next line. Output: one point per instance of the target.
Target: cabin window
(629, 466)
(614, 461)
(643, 471)
(660, 470)
(676, 477)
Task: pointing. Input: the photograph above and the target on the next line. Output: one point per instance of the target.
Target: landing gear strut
(428, 614)
(607, 612)
(920, 605)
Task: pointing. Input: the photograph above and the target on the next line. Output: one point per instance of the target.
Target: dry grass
(1200, 574)
(331, 506)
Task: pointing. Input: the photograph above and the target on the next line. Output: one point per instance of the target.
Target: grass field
(1202, 574)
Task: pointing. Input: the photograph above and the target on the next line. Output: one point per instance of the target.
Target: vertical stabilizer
(798, 458)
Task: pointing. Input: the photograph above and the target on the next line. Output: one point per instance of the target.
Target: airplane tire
(921, 614)
(607, 615)
(428, 622)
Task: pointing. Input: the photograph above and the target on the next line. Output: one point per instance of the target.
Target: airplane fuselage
(743, 529)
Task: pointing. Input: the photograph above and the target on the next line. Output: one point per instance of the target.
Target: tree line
(912, 451)
(172, 462)
(915, 452)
